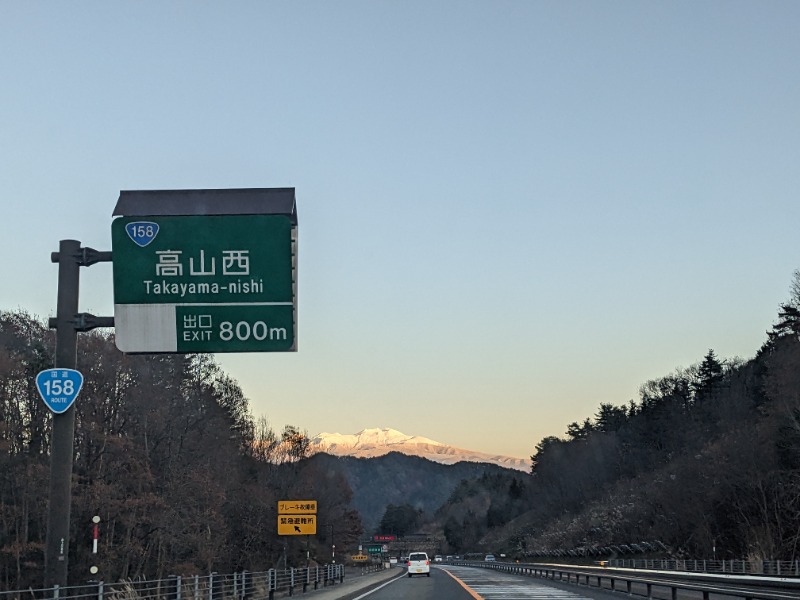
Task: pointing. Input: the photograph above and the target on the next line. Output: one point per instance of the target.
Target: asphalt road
(451, 582)
(439, 586)
(464, 583)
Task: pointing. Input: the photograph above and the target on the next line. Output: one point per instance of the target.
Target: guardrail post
(170, 589)
(100, 590)
(247, 584)
(674, 593)
(55, 592)
(628, 585)
(196, 587)
(218, 589)
(649, 591)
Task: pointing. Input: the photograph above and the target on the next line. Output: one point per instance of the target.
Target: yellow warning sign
(297, 524)
(297, 507)
(359, 558)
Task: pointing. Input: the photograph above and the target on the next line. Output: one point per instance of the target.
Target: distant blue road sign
(59, 388)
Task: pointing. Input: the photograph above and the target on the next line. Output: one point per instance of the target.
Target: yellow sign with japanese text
(297, 524)
(297, 507)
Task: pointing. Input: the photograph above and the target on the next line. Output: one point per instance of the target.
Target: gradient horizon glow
(509, 212)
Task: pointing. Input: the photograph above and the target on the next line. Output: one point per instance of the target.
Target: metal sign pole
(67, 323)
(63, 435)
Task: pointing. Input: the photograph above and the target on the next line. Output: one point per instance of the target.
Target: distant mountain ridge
(398, 479)
(371, 443)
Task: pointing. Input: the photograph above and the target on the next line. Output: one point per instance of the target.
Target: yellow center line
(470, 591)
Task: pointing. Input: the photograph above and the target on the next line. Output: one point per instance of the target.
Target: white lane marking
(398, 578)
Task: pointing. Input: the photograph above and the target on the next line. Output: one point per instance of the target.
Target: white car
(419, 564)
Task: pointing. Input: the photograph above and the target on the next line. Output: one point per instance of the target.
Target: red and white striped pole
(95, 535)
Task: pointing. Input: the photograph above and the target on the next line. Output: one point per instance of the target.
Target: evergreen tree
(610, 418)
(582, 431)
(709, 376)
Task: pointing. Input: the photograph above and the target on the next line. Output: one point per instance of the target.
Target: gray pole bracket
(85, 257)
(84, 322)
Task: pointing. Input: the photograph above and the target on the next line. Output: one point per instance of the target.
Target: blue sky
(509, 212)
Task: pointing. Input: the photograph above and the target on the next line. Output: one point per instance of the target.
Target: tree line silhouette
(167, 454)
(706, 460)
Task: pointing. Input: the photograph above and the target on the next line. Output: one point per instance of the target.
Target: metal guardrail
(778, 568)
(646, 584)
(236, 586)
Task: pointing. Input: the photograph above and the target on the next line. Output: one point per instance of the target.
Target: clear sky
(509, 212)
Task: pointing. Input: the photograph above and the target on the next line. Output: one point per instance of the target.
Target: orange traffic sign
(297, 524)
(297, 507)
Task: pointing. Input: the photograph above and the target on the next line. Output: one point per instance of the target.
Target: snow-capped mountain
(370, 443)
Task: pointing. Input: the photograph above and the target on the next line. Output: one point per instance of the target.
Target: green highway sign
(204, 282)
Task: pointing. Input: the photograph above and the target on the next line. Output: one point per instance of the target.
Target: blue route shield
(142, 232)
(59, 388)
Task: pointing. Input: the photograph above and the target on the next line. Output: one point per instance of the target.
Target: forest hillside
(167, 454)
(706, 462)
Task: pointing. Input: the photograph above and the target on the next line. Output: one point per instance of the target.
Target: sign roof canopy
(234, 201)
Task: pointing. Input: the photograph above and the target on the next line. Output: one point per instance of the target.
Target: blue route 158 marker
(59, 388)
(142, 232)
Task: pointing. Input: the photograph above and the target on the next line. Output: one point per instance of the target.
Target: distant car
(489, 558)
(419, 564)
(437, 558)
